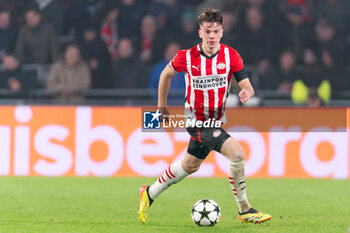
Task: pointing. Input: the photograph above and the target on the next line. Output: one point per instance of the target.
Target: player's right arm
(176, 65)
(164, 85)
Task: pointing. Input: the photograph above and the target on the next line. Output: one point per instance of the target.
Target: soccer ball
(206, 212)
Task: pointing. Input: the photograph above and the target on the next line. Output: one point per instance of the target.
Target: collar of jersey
(206, 56)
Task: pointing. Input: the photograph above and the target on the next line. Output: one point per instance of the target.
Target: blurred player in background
(208, 67)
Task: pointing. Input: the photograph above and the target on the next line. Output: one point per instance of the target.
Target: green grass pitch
(41, 204)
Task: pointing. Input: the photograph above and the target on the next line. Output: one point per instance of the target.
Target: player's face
(211, 34)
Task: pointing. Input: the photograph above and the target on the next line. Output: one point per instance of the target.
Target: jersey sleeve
(178, 63)
(237, 62)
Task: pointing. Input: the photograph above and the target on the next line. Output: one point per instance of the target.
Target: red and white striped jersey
(207, 80)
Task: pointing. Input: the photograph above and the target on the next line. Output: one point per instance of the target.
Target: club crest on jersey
(221, 66)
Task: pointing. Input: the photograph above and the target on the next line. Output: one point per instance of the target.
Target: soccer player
(208, 70)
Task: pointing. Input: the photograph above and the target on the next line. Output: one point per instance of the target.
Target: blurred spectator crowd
(294, 46)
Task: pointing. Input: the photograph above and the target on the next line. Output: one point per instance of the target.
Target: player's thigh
(190, 163)
(232, 150)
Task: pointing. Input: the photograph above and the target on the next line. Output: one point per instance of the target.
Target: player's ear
(200, 33)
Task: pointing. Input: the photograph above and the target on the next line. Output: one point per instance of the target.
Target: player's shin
(237, 181)
(173, 174)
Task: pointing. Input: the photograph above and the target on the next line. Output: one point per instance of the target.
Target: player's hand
(244, 95)
(165, 113)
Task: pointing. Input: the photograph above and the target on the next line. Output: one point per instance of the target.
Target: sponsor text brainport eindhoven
(208, 82)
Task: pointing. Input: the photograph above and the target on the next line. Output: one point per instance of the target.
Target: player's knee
(191, 168)
(238, 154)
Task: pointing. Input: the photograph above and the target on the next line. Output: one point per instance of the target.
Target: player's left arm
(247, 90)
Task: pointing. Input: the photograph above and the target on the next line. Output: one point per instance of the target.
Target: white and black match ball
(206, 212)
